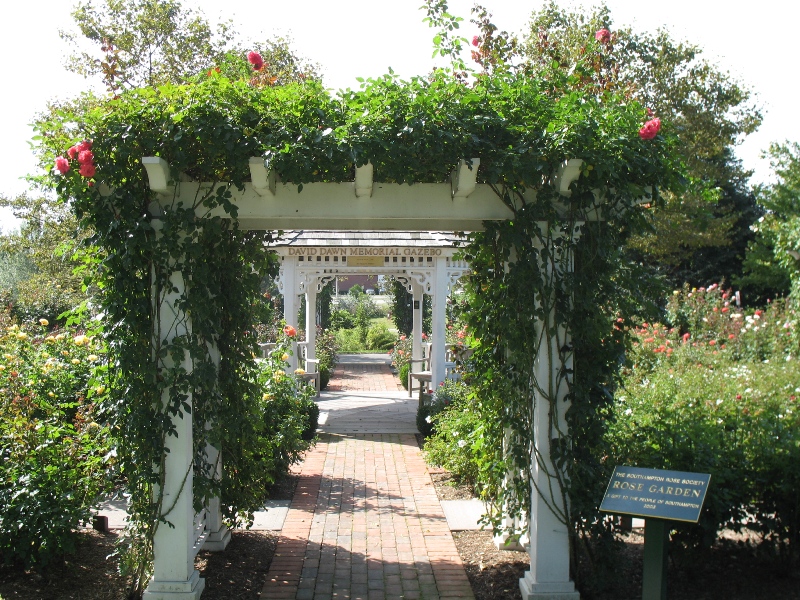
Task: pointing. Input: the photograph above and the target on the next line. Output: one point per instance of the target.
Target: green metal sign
(653, 493)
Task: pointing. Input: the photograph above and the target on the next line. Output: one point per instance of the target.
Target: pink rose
(476, 40)
(603, 35)
(650, 129)
(73, 152)
(87, 170)
(254, 58)
(84, 145)
(62, 165)
(85, 156)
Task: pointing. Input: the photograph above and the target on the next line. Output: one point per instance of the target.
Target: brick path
(373, 376)
(365, 524)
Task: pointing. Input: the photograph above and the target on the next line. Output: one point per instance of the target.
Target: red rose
(254, 58)
(650, 129)
(87, 170)
(84, 145)
(603, 36)
(73, 152)
(62, 165)
(85, 157)
(476, 40)
(290, 331)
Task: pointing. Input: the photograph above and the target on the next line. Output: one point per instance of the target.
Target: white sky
(362, 38)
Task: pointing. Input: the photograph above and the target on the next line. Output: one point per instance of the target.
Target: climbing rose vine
(650, 129)
(254, 58)
(83, 153)
(603, 36)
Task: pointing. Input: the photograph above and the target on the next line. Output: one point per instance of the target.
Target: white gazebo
(422, 261)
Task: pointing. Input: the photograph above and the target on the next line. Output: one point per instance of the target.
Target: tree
(39, 259)
(145, 43)
(773, 258)
(708, 110)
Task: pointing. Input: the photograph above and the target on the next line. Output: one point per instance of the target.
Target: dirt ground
(732, 570)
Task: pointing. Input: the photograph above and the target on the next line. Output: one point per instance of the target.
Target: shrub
(347, 340)
(719, 399)
(312, 419)
(455, 432)
(401, 353)
(54, 450)
(40, 297)
(342, 319)
(326, 352)
(403, 374)
(362, 322)
(424, 420)
(351, 304)
(380, 338)
(275, 435)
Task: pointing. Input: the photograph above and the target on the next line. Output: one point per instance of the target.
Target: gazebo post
(288, 278)
(311, 319)
(438, 324)
(416, 332)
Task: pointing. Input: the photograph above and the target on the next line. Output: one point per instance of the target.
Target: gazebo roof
(410, 239)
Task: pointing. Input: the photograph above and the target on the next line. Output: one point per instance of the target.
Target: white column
(515, 529)
(290, 308)
(439, 325)
(549, 577)
(311, 320)
(174, 575)
(218, 536)
(416, 331)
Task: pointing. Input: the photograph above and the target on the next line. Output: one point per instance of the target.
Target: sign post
(659, 497)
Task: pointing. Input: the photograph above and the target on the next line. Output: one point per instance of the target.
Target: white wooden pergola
(363, 204)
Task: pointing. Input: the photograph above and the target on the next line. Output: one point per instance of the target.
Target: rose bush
(278, 432)
(718, 393)
(456, 432)
(56, 457)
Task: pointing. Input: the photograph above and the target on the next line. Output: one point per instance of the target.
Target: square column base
(547, 591)
(516, 543)
(176, 590)
(218, 540)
